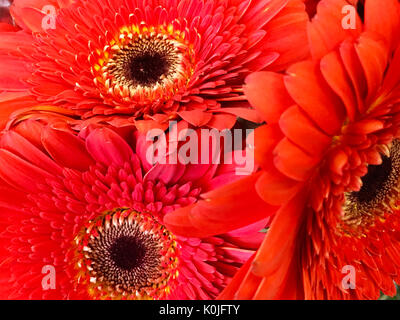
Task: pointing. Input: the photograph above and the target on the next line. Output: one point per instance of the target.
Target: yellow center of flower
(126, 255)
(379, 192)
(143, 65)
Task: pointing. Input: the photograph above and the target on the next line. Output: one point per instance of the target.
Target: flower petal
(20, 173)
(267, 93)
(299, 129)
(325, 31)
(221, 211)
(293, 161)
(20, 146)
(66, 149)
(275, 188)
(310, 91)
(106, 146)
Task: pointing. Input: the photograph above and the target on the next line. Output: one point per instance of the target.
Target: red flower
(150, 60)
(331, 160)
(91, 206)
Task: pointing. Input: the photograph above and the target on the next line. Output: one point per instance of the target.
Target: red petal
(267, 93)
(245, 113)
(265, 140)
(275, 188)
(146, 125)
(355, 72)
(12, 73)
(221, 121)
(309, 89)
(276, 251)
(293, 161)
(179, 222)
(325, 31)
(165, 172)
(392, 77)
(288, 287)
(29, 14)
(20, 173)
(197, 118)
(11, 102)
(387, 27)
(10, 198)
(229, 293)
(302, 131)
(66, 149)
(335, 75)
(287, 34)
(225, 209)
(373, 56)
(108, 147)
(17, 144)
(6, 27)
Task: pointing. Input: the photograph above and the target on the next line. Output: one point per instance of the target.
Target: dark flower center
(145, 62)
(142, 67)
(379, 192)
(374, 181)
(147, 69)
(127, 255)
(127, 252)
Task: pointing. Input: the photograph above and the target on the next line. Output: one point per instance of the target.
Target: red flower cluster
(97, 217)
(85, 84)
(146, 62)
(329, 157)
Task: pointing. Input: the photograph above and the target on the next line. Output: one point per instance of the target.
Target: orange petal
(265, 140)
(293, 161)
(267, 93)
(336, 76)
(302, 131)
(287, 34)
(387, 27)
(276, 188)
(224, 209)
(325, 31)
(278, 247)
(373, 56)
(308, 88)
(229, 293)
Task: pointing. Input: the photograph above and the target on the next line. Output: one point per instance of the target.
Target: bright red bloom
(90, 205)
(150, 61)
(331, 160)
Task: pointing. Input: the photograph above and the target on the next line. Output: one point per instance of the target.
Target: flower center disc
(379, 192)
(143, 65)
(126, 255)
(127, 252)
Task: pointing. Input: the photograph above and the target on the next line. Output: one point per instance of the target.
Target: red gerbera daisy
(331, 160)
(90, 206)
(150, 60)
